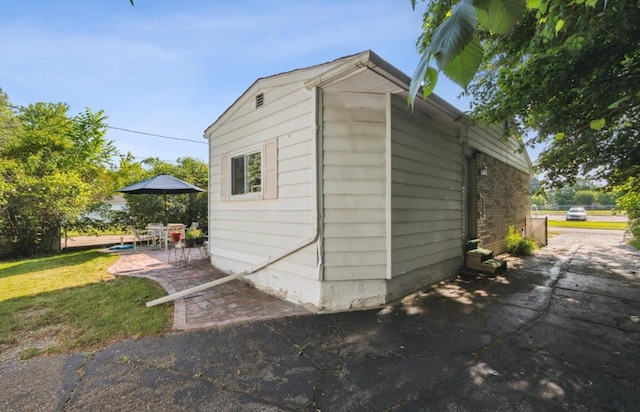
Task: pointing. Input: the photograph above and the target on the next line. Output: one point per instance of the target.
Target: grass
(68, 302)
(574, 224)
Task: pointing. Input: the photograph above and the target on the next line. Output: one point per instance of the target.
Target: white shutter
(270, 172)
(225, 171)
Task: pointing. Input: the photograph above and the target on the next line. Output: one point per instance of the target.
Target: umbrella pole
(166, 216)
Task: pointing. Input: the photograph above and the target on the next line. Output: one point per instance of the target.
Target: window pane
(237, 178)
(254, 173)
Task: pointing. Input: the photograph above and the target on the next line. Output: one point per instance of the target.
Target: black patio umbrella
(162, 184)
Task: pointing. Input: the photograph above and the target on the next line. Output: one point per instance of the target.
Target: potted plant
(175, 236)
(200, 239)
(191, 236)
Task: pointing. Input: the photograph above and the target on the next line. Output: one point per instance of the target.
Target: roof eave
(372, 61)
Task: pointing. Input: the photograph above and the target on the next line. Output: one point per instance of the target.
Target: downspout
(317, 196)
(318, 188)
(388, 184)
(209, 199)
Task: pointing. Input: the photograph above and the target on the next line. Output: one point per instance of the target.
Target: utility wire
(151, 157)
(156, 135)
(136, 131)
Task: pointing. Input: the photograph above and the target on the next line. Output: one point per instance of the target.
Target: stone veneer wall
(507, 201)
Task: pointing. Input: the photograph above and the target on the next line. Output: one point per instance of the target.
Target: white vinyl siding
(245, 232)
(354, 147)
(426, 197)
(225, 181)
(490, 140)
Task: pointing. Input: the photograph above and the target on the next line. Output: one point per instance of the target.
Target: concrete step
(478, 255)
(472, 244)
(496, 266)
(480, 260)
(490, 267)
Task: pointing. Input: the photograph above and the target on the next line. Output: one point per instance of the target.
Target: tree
(539, 201)
(585, 197)
(605, 198)
(8, 121)
(629, 201)
(565, 196)
(534, 184)
(51, 168)
(451, 38)
(568, 70)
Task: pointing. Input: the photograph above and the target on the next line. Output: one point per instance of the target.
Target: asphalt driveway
(560, 331)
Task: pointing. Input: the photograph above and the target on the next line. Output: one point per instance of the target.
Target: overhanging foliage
(565, 73)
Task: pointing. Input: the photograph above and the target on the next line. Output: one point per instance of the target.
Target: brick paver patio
(224, 304)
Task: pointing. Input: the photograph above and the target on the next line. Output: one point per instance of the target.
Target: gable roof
(326, 73)
(333, 71)
(260, 80)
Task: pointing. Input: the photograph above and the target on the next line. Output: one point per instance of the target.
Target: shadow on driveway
(561, 330)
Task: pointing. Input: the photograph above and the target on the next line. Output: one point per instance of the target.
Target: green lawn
(575, 224)
(68, 302)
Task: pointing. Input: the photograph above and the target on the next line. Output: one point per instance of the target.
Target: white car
(577, 213)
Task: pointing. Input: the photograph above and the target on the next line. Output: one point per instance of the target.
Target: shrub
(629, 201)
(634, 229)
(518, 245)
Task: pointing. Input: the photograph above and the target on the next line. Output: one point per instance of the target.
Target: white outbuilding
(334, 194)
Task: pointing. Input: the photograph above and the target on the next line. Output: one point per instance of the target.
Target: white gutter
(317, 196)
(360, 61)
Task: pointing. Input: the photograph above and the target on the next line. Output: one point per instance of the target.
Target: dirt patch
(28, 344)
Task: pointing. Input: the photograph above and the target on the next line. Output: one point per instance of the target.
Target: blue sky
(172, 67)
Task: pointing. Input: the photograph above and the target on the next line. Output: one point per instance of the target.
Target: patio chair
(142, 236)
(160, 232)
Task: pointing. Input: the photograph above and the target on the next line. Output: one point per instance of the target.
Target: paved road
(592, 232)
(560, 331)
